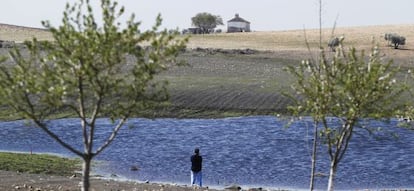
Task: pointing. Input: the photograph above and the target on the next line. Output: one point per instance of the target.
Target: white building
(238, 24)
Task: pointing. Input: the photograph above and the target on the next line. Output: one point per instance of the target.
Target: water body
(249, 151)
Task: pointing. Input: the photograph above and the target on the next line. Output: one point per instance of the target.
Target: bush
(394, 40)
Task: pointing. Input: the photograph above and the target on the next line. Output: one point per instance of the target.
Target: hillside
(220, 81)
(283, 43)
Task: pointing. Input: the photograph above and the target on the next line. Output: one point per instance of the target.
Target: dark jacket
(196, 163)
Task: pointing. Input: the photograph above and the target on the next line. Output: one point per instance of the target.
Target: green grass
(274, 84)
(38, 164)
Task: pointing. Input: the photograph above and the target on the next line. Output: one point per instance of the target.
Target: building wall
(237, 24)
(238, 27)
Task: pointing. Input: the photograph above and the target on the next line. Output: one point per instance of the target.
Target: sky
(264, 15)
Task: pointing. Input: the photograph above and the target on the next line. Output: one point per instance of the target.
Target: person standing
(196, 164)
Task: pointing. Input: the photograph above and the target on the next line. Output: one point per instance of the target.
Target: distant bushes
(334, 42)
(394, 40)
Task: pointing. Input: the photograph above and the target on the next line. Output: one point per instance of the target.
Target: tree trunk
(85, 173)
(313, 168)
(332, 173)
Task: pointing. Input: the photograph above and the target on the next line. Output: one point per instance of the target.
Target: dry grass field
(20, 34)
(291, 42)
(219, 81)
(295, 39)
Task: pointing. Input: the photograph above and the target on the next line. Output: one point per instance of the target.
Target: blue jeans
(196, 177)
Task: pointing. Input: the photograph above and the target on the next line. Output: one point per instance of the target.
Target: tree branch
(93, 120)
(112, 136)
(55, 137)
(84, 123)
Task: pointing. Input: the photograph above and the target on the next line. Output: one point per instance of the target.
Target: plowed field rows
(230, 82)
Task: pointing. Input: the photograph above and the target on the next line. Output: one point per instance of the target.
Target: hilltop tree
(348, 87)
(89, 71)
(206, 22)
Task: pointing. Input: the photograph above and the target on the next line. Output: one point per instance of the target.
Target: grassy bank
(38, 163)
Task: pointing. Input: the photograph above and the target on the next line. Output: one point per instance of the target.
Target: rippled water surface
(246, 151)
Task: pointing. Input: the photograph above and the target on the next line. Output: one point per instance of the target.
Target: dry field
(219, 80)
(20, 34)
(293, 42)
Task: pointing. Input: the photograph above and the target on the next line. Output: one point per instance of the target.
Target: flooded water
(249, 151)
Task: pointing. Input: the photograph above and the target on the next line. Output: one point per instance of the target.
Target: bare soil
(41, 182)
